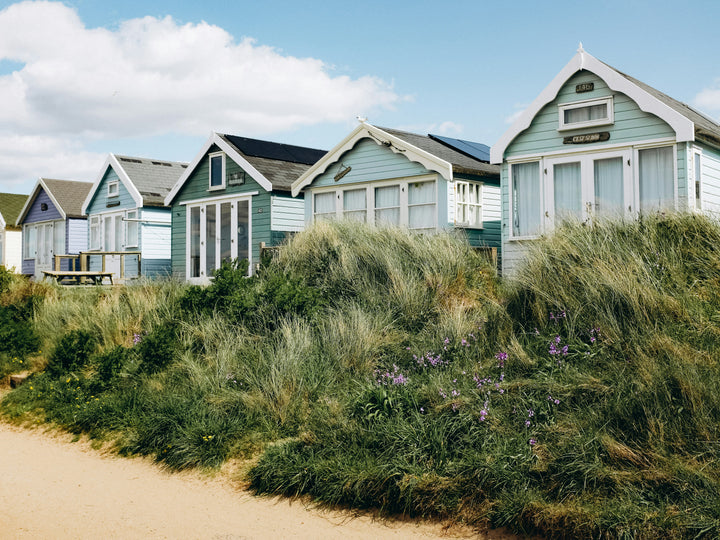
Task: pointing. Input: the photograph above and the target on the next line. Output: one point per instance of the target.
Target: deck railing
(81, 261)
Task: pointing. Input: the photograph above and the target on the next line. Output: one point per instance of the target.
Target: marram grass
(577, 398)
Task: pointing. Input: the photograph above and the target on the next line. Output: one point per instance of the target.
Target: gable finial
(580, 48)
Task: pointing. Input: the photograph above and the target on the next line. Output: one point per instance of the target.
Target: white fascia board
(368, 131)
(113, 162)
(684, 128)
(40, 184)
(2, 221)
(231, 152)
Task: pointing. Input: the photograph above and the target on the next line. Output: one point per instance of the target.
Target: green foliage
(111, 362)
(72, 352)
(158, 348)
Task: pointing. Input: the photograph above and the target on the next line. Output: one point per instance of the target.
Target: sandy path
(52, 488)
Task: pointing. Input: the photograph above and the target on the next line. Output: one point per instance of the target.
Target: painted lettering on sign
(587, 138)
(584, 87)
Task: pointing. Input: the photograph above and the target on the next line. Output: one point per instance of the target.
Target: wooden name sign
(587, 138)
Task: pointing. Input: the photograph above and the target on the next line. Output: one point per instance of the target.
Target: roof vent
(130, 160)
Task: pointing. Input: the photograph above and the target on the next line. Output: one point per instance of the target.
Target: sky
(83, 78)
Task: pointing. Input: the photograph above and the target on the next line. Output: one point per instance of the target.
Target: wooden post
(56, 262)
(122, 266)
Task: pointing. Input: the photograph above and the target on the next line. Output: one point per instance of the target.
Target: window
(324, 206)
(387, 205)
(657, 178)
(59, 238)
(2, 251)
(217, 231)
(113, 189)
(217, 171)
(526, 217)
(30, 235)
(355, 204)
(131, 228)
(95, 232)
(698, 179)
(468, 204)
(582, 114)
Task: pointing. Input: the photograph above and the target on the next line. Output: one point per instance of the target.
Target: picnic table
(78, 277)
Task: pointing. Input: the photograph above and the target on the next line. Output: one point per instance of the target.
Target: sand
(53, 488)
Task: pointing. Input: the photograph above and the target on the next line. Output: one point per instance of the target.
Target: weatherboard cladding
(710, 187)
(35, 212)
(100, 200)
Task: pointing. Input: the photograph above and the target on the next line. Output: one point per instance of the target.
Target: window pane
(210, 228)
(355, 204)
(585, 114)
(109, 237)
(567, 190)
(195, 242)
(609, 187)
(131, 229)
(421, 205)
(216, 171)
(225, 231)
(387, 205)
(656, 178)
(118, 233)
(324, 205)
(243, 230)
(59, 238)
(526, 198)
(698, 178)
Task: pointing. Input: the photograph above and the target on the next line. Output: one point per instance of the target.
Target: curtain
(243, 230)
(567, 189)
(355, 204)
(225, 232)
(421, 205)
(324, 205)
(656, 178)
(59, 238)
(195, 241)
(585, 114)
(210, 227)
(131, 229)
(387, 205)
(526, 198)
(609, 187)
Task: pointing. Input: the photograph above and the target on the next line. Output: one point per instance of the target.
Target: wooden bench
(78, 277)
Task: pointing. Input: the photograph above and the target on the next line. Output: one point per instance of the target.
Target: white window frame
(636, 172)
(113, 189)
(696, 190)
(95, 233)
(132, 220)
(466, 186)
(203, 204)
(541, 206)
(610, 119)
(29, 248)
(222, 171)
(404, 184)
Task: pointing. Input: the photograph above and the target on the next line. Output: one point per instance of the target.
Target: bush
(158, 348)
(72, 352)
(110, 363)
(17, 335)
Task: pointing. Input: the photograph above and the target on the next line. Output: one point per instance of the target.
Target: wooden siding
(155, 237)
(710, 180)
(631, 124)
(287, 213)
(100, 199)
(196, 188)
(76, 235)
(35, 212)
(12, 246)
(370, 161)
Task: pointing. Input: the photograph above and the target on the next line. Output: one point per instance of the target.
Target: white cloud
(709, 98)
(154, 76)
(151, 77)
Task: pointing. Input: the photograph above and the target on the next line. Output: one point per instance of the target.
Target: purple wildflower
(532, 442)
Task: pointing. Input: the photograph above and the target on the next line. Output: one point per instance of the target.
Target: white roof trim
(113, 162)
(39, 184)
(683, 127)
(2, 221)
(368, 131)
(231, 152)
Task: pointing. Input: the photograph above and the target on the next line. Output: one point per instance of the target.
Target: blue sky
(82, 78)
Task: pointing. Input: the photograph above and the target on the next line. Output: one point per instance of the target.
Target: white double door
(589, 186)
(50, 241)
(113, 240)
(217, 232)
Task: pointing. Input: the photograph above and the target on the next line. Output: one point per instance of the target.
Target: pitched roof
(280, 163)
(683, 119)
(274, 166)
(11, 204)
(153, 178)
(461, 162)
(68, 194)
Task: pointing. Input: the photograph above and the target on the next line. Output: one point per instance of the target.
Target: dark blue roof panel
(469, 148)
(278, 151)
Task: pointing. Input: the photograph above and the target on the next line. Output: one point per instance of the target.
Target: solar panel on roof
(278, 151)
(473, 149)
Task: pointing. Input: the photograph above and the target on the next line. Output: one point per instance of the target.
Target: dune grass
(376, 368)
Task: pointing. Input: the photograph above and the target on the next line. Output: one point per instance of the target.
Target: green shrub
(18, 338)
(110, 363)
(158, 348)
(72, 352)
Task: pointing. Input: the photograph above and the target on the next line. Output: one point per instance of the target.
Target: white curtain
(567, 189)
(387, 205)
(526, 198)
(59, 238)
(325, 205)
(355, 204)
(609, 187)
(421, 205)
(585, 114)
(656, 178)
